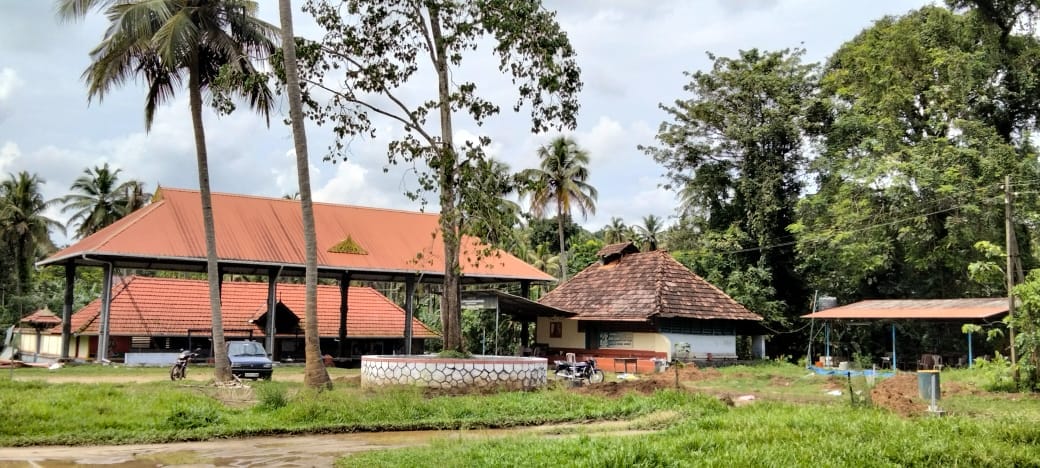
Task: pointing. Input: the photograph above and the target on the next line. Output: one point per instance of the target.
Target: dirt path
(311, 451)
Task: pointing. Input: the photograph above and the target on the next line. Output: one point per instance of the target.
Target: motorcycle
(581, 371)
(180, 368)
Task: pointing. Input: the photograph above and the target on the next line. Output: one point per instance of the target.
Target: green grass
(40, 413)
(766, 434)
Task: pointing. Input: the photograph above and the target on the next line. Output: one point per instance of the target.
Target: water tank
(826, 302)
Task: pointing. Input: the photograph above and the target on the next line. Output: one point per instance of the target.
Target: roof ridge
(284, 200)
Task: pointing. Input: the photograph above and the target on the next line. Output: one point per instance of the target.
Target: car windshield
(246, 348)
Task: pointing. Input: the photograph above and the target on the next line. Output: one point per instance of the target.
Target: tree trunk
(451, 312)
(563, 246)
(315, 375)
(221, 365)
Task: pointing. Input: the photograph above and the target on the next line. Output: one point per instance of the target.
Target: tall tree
(559, 183)
(735, 147)
(26, 230)
(650, 232)
(315, 375)
(615, 231)
(922, 131)
(379, 48)
(99, 199)
(168, 42)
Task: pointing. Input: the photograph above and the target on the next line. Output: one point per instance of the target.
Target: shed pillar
(344, 287)
(894, 347)
(827, 344)
(272, 308)
(409, 312)
(66, 310)
(758, 347)
(971, 357)
(525, 326)
(106, 309)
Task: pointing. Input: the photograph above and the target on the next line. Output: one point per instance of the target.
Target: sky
(633, 55)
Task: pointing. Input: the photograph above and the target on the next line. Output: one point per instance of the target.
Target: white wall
(720, 346)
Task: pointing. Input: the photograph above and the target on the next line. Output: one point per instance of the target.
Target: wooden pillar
(272, 307)
(409, 312)
(66, 310)
(106, 309)
(344, 288)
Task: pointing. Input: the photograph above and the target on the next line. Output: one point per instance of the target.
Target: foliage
(452, 354)
(914, 158)
(99, 199)
(583, 254)
(1026, 322)
(372, 50)
(168, 42)
(559, 183)
(25, 236)
(650, 232)
(996, 374)
(734, 148)
(545, 231)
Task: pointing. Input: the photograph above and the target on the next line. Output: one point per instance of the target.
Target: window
(555, 329)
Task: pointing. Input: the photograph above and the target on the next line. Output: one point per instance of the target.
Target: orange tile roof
(889, 309)
(42, 317)
(639, 286)
(145, 306)
(266, 232)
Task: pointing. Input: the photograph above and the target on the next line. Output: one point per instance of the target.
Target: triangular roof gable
(170, 307)
(43, 317)
(640, 286)
(269, 231)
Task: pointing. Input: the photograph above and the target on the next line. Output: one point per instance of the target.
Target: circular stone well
(436, 372)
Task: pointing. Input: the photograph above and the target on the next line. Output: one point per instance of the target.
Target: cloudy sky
(632, 52)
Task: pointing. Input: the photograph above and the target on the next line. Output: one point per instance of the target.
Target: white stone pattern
(521, 373)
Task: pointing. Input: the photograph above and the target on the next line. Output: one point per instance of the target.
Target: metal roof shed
(972, 309)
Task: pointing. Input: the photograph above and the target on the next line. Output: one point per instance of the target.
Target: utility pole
(1011, 246)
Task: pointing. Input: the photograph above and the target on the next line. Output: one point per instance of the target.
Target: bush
(271, 396)
(996, 374)
(193, 417)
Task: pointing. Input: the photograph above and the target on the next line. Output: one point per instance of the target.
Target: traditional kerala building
(151, 318)
(634, 305)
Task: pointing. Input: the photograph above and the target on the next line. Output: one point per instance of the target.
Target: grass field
(795, 418)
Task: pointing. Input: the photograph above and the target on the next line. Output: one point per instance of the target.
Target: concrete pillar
(106, 309)
(758, 347)
(66, 310)
(409, 312)
(344, 289)
(272, 307)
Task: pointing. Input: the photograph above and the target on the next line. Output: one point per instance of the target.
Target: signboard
(480, 303)
(615, 339)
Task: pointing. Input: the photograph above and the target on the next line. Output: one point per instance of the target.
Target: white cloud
(349, 186)
(9, 81)
(8, 154)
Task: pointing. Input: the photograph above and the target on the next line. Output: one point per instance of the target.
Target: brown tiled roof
(144, 306)
(41, 317)
(640, 286)
(889, 309)
(269, 232)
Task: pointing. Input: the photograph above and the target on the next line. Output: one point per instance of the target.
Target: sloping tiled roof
(640, 286)
(144, 306)
(42, 317)
(916, 309)
(269, 232)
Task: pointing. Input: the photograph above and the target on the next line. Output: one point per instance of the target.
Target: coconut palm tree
(615, 231)
(315, 375)
(98, 199)
(25, 231)
(170, 42)
(542, 259)
(560, 182)
(650, 232)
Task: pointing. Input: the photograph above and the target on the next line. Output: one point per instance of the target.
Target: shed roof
(43, 317)
(145, 306)
(639, 286)
(255, 234)
(892, 309)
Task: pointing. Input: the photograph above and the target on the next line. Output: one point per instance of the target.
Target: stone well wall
(431, 371)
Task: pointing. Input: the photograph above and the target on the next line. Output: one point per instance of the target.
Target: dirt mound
(616, 389)
(899, 395)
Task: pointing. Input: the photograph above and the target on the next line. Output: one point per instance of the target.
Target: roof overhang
(514, 306)
(916, 309)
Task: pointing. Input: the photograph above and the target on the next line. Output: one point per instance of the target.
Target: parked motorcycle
(180, 368)
(581, 371)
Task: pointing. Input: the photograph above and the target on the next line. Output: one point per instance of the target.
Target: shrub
(271, 396)
(193, 417)
(996, 374)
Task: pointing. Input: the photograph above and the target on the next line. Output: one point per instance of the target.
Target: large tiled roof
(640, 286)
(43, 317)
(170, 307)
(891, 309)
(266, 232)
